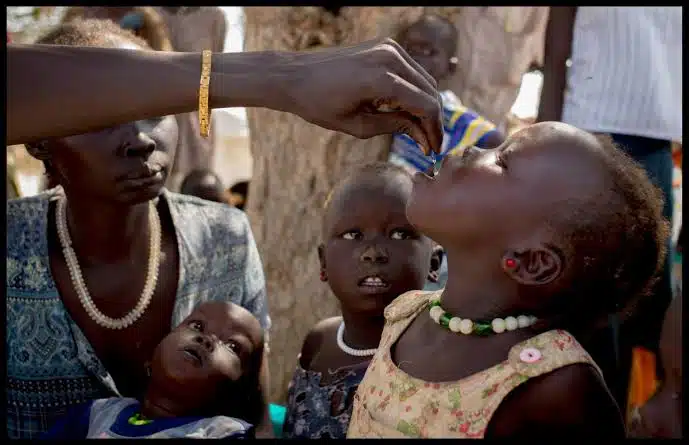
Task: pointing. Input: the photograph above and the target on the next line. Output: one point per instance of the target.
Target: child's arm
(661, 416)
(73, 425)
(310, 348)
(572, 402)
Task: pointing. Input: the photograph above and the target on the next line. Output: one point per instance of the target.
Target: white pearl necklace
(466, 326)
(351, 351)
(80, 285)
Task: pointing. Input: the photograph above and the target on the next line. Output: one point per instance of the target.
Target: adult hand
(365, 90)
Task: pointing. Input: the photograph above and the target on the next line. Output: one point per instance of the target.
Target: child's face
(426, 44)
(372, 254)
(126, 164)
(503, 197)
(211, 346)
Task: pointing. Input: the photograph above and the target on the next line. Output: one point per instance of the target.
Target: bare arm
(372, 88)
(570, 402)
(103, 87)
(558, 47)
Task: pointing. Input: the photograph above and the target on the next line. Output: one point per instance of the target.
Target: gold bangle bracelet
(204, 86)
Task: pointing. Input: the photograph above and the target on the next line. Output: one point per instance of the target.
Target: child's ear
(436, 261)
(452, 65)
(534, 266)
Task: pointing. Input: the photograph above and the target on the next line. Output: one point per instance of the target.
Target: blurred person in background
(624, 79)
(496, 47)
(204, 184)
(239, 193)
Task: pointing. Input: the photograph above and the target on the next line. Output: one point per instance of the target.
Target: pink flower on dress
(463, 428)
(530, 355)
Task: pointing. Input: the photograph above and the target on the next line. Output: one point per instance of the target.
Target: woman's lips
(146, 171)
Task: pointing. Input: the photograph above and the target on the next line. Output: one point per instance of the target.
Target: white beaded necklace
(80, 285)
(351, 351)
(466, 326)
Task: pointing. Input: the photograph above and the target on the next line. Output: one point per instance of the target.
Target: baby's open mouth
(193, 356)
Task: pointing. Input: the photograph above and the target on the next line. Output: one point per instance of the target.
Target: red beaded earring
(509, 263)
(323, 276)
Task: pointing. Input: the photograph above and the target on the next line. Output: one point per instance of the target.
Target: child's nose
(374, 254)
(208, 341)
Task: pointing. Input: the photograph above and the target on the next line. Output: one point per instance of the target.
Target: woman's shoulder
(190, 211)
(26, 226)
(21, 210)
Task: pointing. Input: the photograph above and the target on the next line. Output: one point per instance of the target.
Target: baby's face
(214, 344)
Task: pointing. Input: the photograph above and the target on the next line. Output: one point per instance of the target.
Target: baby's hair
(89, 32)
(616, 241)
(450, 38)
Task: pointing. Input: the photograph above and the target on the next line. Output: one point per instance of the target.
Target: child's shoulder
(408, 303)
(326, 328)
(555, 364)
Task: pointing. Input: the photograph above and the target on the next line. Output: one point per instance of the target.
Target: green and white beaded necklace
(466, 326)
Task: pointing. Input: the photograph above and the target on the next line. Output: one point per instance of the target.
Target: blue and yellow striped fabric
(463, 128)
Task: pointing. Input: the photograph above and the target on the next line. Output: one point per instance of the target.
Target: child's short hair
(89, 32)
(365, 173)
(616, 242)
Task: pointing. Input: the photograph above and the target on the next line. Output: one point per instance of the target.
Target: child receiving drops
(370, 254)
(546, 235)
(432, 42)
(203, 384)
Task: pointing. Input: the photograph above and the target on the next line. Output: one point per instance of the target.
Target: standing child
(432, 42)
(552, 231)
(204, 377)
(370, 255)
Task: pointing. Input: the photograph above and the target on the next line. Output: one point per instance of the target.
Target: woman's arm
(56, 91)
(558, 46)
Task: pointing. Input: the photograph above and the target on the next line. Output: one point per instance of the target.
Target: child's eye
(233, 346)
(352, 235)
(196, 325)
(400, 234)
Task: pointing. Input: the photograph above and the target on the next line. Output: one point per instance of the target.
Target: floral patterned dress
(321, 412)
(393, 404)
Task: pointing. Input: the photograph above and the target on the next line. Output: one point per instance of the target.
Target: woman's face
(126, 164)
